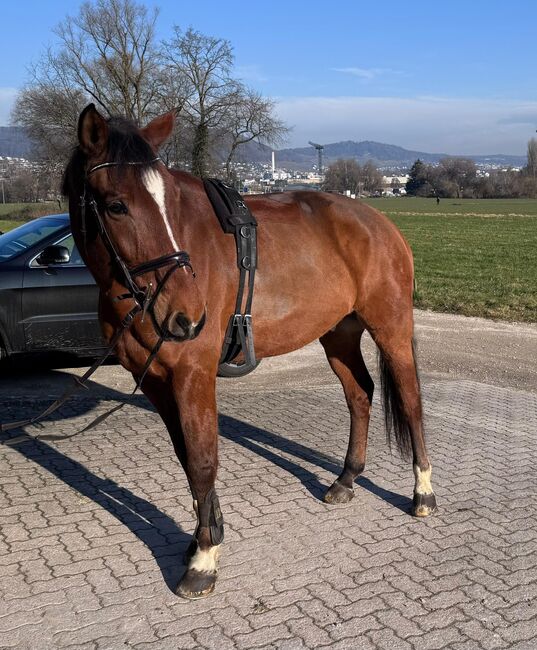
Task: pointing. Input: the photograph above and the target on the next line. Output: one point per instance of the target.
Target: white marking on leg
(423, 480)
(154, 184)
(205, 561)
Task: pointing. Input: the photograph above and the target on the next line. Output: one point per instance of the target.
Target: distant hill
(254, 152)
(14, 142)
(385, 155)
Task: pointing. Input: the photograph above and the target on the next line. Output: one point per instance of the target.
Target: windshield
(20, 239)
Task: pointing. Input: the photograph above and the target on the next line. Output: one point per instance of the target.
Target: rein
(144, 298)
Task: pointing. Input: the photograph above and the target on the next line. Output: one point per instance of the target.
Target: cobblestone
(93, 529)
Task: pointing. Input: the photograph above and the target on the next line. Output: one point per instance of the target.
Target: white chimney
(273, 162)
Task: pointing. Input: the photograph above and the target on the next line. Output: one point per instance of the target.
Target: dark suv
(48, 298)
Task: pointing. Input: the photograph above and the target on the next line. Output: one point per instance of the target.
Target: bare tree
(343, 176)
(49, 113)
(348, 175)
(252, 118)
(371, 178)
(205, 63)
(459, 171)
(108, 52)
(532, 158)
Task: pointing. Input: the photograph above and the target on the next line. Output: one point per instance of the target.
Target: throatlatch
(235, 217)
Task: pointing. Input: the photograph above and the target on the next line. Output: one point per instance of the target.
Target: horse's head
(136, 201)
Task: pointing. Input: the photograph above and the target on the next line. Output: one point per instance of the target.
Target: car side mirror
(54, 255)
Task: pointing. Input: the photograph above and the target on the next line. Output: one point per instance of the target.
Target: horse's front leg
(195, 396)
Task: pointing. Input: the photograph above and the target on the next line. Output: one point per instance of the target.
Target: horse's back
(319, 224)
(322, 256)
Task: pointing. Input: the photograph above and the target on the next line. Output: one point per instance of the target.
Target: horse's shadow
(162, 536)
(258, 440)
(166, 540)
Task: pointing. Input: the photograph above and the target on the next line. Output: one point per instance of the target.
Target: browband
(117, 164)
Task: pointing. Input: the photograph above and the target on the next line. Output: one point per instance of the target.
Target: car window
(74, 256)
(20, 239)
(75, 259)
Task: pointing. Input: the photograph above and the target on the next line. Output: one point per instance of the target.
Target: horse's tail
(395, 417)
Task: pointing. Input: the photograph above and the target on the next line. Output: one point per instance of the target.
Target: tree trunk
(199, 150)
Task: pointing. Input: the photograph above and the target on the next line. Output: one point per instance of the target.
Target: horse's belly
(294, 309)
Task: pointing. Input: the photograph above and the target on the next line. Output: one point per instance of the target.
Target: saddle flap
(228, 204)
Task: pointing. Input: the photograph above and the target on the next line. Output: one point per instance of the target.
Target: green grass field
(15, 214)
(473, 257)
(7, 224)
(25, 211)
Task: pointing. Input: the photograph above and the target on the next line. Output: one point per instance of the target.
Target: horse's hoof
(424, 505)
(190, 552)
(196, 584)
(338, 493)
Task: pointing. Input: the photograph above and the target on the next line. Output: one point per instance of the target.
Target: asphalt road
(449, 346)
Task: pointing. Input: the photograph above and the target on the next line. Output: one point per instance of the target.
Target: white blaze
(154, 184)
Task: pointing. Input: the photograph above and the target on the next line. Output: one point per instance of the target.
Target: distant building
(394, 185)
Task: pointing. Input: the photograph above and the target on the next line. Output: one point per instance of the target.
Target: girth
(235, 217)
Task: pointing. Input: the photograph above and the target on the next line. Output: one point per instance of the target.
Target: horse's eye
(117, 207)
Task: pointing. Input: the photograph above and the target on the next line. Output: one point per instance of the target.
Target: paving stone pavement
(93, 529)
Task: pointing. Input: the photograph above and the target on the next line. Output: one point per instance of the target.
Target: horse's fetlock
(210, 517)
(354, 468)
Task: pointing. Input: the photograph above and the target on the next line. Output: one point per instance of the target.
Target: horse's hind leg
(403, 409)
(342, 347)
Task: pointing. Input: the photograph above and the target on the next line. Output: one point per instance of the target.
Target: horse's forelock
(125, 145)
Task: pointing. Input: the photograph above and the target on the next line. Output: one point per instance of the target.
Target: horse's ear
(92, 131)
(159, 130)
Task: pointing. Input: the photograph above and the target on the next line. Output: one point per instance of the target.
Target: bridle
(144, 297)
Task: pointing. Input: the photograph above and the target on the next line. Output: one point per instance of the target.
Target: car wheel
(235, 369)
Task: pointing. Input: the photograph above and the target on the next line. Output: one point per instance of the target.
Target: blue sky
(454, 77)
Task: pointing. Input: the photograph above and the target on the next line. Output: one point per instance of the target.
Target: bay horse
(329, 268)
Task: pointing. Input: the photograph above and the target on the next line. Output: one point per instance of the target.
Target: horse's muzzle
(181, 328)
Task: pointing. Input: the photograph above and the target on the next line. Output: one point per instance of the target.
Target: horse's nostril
(180, 326)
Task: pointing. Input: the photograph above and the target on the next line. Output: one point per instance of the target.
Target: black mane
(125, 145)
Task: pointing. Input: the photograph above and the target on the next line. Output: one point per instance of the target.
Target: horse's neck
(194, 212)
